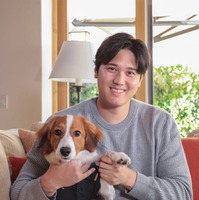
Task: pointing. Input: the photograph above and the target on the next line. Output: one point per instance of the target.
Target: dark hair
(114, 43)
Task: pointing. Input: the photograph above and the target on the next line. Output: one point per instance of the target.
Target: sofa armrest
(5, 181)
(191, 148)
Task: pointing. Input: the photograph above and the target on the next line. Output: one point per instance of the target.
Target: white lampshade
(74, 63)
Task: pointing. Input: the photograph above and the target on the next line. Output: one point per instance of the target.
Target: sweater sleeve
(27, 185)
(173, 180)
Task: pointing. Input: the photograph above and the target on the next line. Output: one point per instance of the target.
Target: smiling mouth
(118, 90)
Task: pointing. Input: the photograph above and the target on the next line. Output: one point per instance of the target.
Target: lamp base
(78, 90)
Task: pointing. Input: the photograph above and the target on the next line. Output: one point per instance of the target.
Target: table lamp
(74, 64)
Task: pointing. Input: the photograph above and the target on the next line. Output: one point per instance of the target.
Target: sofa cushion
(15, 165)
(5, 182)
(27, 138)
(36, 126)
(11, 142)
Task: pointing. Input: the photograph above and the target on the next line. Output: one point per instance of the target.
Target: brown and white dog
(68, 137)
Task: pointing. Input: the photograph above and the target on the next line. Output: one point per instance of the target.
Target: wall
(20, 62)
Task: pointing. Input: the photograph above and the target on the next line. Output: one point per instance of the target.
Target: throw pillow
(15, 165)
(27, 138)
(11, 142)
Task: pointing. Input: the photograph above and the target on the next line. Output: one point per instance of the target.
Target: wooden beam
(140, 31)
(60, 89)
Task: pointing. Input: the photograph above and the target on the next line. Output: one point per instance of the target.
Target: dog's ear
(42, 133)
(93, 135)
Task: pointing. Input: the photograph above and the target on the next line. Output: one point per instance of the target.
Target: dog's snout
(65, 151)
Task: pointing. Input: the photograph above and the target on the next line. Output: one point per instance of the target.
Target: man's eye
(131, 73)
(57, 132)
(77, 133)
(112, 69)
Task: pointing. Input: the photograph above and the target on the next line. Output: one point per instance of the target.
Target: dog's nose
(65, 151)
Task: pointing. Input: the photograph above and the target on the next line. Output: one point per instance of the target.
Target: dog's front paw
(119, 158)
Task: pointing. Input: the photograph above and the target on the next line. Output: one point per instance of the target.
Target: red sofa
(191, 148)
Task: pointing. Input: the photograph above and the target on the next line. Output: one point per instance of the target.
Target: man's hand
(64, 175)
(116, 174)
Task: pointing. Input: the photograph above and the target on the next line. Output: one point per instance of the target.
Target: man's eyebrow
(132, 68)
(129, 68)
(113, 64)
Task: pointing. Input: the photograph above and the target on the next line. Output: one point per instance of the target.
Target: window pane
(119, 11)
(175, 60)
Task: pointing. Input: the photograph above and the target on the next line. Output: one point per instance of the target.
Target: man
(147, 134)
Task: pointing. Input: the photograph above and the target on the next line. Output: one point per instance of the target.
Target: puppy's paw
(119, 158)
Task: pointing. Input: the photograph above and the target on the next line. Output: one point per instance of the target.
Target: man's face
(118, 80)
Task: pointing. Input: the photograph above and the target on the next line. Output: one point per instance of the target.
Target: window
(176, 67)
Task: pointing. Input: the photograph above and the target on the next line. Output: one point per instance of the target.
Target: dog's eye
(76, 133)
(57, 132)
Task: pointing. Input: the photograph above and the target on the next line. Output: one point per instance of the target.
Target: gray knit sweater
(148, 135)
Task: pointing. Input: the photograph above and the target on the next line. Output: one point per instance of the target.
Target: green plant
(176, 89)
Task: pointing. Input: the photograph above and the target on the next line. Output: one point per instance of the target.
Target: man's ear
(95, 72)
